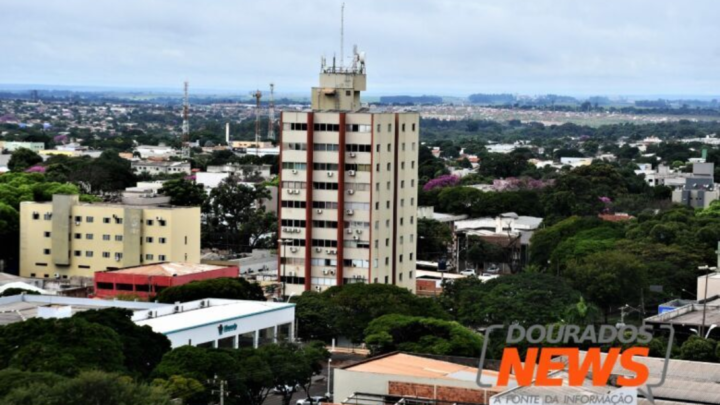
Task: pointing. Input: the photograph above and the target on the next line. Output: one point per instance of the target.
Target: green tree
(236, 218)
(314, 315)
(227, 288)
(699, 349)
(354, 306)
(90, 387)
(581, 313)
(11, 379)
(62, 346)
(609, 279)
(143, 348)
(179, 387)
(433, 239)
(421, 335)
(508, 299)
(184, 193)
(23, 159)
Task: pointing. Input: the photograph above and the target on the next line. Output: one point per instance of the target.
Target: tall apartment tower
(348, 189)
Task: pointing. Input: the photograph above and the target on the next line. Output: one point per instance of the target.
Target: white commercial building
(207, 323)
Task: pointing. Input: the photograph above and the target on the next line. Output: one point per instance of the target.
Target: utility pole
(257, 95)
(271, 113)
(222, 389)
(186, 123)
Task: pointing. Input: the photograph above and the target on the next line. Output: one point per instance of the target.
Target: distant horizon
(177, 92)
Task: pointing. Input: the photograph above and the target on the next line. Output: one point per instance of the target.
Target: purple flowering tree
(447, 180)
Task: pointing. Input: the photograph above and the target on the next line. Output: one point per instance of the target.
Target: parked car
(278, 390)
(316, 400)
(493, 269)
(468, 272)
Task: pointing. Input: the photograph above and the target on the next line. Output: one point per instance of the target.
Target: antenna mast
(271, 113)
(342, 35)
(186, 123)
(258, 95)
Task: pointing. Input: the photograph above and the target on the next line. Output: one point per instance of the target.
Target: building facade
(148, 280)
(348, 190)
(66, 238)
(161, 167)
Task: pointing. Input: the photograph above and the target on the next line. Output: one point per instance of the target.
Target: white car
(316, 400)
(468, 272)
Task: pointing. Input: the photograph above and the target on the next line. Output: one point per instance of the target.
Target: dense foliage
(227, 288)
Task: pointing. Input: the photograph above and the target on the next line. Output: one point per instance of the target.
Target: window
(89, 219)
(149, 222)
(88, 236)
(378, 128)
(106, 255)
(77, 253)
(377, 167)
(326, 147)
(412, 183)
(412, 201)
(106, 237)
(47, 216)
(387, 223)
(106, 220)
(402, 202)
(297, 223)
(352, 147)
(401, 258)
(387, 262)
(78, 218)
(149, 257)
(324, 224)
(377, 244)
(377, 205)
(411, 256)
(46, 251)
(293, 204)
(162, 240)
(377, 186)
(388, 185)
(389, 166)
(325, 205)
(47, 234)
(389, 147)
(327, 127)
(118, 256)
(377, 148)
(324, 186)
(403, 127)
(118, 220)
(401, 239)
(118, 238)
(377, 224)
(413, 127)
(88, 253)
(412, 164)
(387, 204)
(294, 146)
(387, 242)
(413, 144)
(325, 166)
(294, 185)
(324, 243)
(389, 127)
(162, 222)
(297, 126)
(402, 220)
(356, 263)
(148, 239)
(35, 215)
(402, 183)
(294, 166)
(412, 219)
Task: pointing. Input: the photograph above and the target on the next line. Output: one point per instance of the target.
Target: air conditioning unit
(327, 251)
(333, 252)
(350, 212)
(57, 275)
(176, 309)
(330, 174)
(297, 191)
(352, 154)
(319, 211)
(318, 288)
(325, 272)
(290, 191)
(351, 192)
(203, 304)
(349, 231)
(332, 272)
(356, 237)
(291, 273)
(358, 231)
(293, 249)
(150, 314)
(352, 173)
(294, 171)
(318, 250)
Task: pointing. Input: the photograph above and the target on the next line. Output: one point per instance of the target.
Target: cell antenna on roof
(342, 34)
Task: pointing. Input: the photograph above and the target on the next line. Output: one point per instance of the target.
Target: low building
(66, 238)
(689, 319)
(206, 323)
(700, 189)
(251, 173)
(393, 377)
(148, 151)
(12, 146)
(161, 167)
(148, 280)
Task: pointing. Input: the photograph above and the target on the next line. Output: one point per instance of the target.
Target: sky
(440, 47)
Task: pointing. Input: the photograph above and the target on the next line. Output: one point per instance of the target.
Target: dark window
(105, 286)
(124, 287)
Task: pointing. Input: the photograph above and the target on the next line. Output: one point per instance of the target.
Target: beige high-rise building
(66, 238)
(348, 189)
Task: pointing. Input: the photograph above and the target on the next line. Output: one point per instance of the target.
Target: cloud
(413, 46)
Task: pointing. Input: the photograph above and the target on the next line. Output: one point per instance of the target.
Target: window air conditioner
(349, 231)
(358, 231)
(294, 171)
(293, 249)
(318, 288)
(351, 192)
(356, 237)
(352, 154)
(319, 211)
(318, 250)
(325, 272)
(350, 212)
(330, 174)
(352, 173)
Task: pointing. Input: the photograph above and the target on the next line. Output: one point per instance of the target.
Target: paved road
(319, 386)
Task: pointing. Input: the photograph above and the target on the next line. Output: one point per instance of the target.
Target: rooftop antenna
(271, 113)
(258, 95)
(186, 123)
(342, 35)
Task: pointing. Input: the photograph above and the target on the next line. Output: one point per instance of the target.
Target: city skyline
(562, 47)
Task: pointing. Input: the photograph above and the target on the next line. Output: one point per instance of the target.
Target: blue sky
(445, 47)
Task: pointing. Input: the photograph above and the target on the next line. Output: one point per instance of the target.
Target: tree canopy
(228, 288)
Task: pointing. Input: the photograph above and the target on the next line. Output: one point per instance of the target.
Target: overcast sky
(444, 47)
